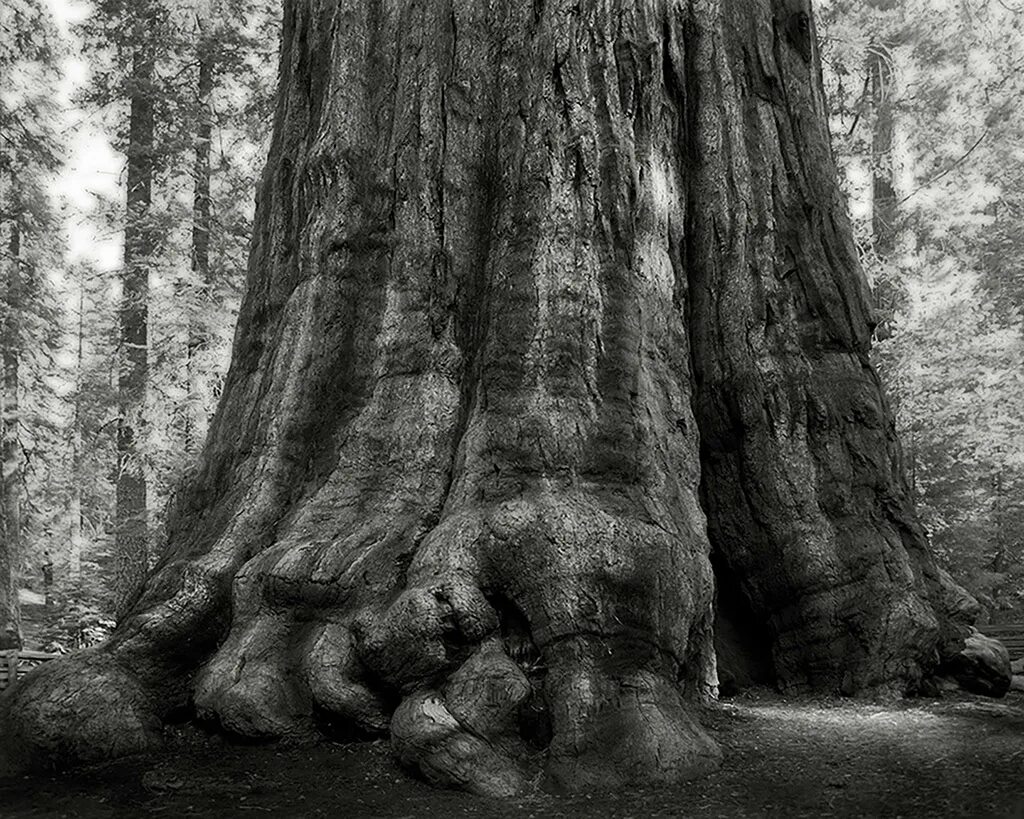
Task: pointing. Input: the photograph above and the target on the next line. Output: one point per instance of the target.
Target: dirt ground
(958, 756)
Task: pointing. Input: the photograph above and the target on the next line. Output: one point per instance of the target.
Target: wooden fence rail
(17, 663)
(1010, 635)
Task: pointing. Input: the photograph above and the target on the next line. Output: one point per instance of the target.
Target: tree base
(486, 730)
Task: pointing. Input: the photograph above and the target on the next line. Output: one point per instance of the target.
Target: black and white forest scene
(512, 408)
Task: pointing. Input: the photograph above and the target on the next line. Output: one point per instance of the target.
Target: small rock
(982, 667)
(1017, 666)
(1017, 683)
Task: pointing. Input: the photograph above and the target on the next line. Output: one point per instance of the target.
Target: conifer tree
(28, 152)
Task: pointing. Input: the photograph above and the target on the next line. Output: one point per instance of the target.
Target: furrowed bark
(807, 508)
(530, 283)
(76, 535)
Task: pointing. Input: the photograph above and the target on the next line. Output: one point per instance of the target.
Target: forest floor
(958, 756)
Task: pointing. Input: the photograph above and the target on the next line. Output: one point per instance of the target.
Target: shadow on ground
(959, 756)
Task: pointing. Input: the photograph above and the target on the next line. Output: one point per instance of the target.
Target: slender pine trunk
(131, 527)
(195, 419)
(12, 461)
(883, 176)
(75, 536)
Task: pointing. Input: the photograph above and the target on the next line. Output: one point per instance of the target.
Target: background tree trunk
(131, 523)
(11, 457)
(530, 284)
(202, 224)
(887, 288)
(884, 208)
(76, 539)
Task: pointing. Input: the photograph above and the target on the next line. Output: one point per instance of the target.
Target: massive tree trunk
(550, 308)
(11, 457)
(131, 520)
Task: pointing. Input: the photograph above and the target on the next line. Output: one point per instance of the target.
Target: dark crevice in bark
(743, 640)
(313, 65)
(515, 630)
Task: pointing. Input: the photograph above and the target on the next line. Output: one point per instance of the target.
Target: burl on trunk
(550, 307)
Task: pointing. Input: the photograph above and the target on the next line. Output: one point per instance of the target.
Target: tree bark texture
(11, 457)
(550, 307)
(131, 521)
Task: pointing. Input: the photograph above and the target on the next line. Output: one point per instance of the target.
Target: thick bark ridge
(529, 283)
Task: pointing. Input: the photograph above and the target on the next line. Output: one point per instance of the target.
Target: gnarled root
(618, 721)
(468, 733)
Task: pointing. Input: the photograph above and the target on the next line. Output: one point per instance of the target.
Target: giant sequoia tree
(552, 308)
